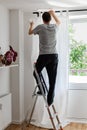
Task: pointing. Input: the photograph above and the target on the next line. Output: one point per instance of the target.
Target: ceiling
(34, 5)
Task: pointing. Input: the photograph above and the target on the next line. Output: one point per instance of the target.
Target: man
(48, 56)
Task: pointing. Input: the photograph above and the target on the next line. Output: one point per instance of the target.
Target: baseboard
(16, 122)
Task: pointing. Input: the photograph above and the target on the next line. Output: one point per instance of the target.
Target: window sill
(77, 79)
(78, 82)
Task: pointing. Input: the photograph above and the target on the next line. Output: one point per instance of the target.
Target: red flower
(9, 56)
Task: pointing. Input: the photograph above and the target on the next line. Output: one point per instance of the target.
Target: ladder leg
(57, 117)
(51, 118)
(41, 85)
(32, 111)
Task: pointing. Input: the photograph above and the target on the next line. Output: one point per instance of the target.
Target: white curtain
(40, 114)
(62, 77)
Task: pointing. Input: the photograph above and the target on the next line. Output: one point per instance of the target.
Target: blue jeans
(50, 62)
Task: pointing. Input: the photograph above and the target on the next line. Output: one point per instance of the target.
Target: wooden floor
(72, 126)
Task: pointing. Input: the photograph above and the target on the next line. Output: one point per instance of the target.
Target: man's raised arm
(52, 13)
(31, 28)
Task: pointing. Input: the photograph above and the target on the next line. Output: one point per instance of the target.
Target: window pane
(78, 48)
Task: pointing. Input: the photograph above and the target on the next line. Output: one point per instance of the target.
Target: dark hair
(46, 17)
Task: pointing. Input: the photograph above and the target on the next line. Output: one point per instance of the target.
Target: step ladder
(41, 83)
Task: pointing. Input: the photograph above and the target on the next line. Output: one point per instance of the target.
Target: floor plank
(71, 126)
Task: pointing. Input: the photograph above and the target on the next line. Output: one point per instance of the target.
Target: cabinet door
(5, 102)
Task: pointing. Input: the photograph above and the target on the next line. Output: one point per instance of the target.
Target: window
(78, 49)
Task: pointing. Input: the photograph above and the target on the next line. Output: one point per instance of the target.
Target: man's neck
(47, 23)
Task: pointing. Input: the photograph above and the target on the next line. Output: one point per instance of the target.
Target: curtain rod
(76, 10)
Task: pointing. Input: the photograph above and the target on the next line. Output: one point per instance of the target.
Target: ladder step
(54, 115)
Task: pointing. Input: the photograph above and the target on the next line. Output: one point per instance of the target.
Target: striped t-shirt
(47, 38)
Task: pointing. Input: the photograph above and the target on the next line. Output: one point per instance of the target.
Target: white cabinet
(5, 111)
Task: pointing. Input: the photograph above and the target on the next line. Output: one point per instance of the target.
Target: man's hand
(31, 23)
(31, 28)
(52, 13)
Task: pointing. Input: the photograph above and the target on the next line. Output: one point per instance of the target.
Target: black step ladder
(41, 83)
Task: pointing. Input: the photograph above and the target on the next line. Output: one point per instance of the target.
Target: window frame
(75, 81)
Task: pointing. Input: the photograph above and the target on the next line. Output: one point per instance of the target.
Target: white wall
(14, 39)
(22, 81)
(77, 98)
(17, 73)
(30, 55)
(5, 96)
(4, 42)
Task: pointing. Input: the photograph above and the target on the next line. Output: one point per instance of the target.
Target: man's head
(46, 17)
